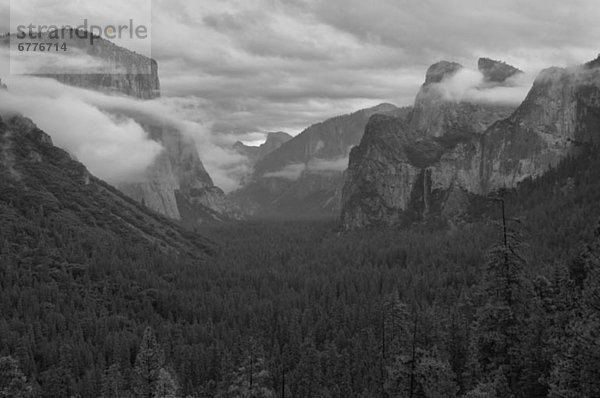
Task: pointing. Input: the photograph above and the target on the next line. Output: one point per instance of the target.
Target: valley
(448, 247)
(302, 308)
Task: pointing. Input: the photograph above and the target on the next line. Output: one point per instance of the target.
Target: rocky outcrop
(177, 172)
(303, 178)
(135, 83)
(440, 71)
(108, 67)
(496, 71)
(437, 115)
(400, 171)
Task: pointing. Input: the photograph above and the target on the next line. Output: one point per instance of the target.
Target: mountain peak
(255, 154)
(496, 71)
(595, 63)
(440, 70)
(277, 138)
(384, 107)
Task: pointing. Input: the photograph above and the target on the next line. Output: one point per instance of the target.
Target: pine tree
(425, 376)
(166, 387)
(576, 372)
(457, 347)
(496, 386)
(249, 376)
(308, 372)
(500, 321)
(148, 363)
(112, 383)
(13, 383)
(395, 334)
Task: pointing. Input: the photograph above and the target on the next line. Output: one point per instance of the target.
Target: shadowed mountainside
(42, 183)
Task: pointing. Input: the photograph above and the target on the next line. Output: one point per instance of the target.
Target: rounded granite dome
(440, 70)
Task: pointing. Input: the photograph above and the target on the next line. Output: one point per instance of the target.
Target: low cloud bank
(294, 171)
(470, 85)
(115, 148)
(107, 132)
(290, 172)
(339, 164)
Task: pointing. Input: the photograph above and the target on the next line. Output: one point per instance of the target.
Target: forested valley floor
(302, 309)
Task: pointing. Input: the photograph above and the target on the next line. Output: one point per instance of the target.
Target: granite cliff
(448, 150)
(111, 69)
(176, 184)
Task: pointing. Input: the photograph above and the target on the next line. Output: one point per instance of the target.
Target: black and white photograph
(299, 199)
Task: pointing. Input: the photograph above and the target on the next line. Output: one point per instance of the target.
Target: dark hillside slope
(46, 196)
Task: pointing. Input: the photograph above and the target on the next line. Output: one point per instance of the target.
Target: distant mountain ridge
(257, 153)
(303, 177)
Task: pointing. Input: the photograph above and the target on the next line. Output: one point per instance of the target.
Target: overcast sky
(284, 64)
(266, 65)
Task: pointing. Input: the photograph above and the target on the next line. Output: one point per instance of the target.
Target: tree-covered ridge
(43, 184)
(298, 309)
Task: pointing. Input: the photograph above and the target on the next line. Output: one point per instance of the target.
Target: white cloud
(469, 85)
(105, 131)
(339, 164)
(114, 148)
(290, 172)
(294, 171)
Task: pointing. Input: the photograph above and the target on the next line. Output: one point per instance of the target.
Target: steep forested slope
(44, 190)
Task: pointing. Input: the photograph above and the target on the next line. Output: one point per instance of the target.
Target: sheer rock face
(176, 184)
(447, 151)
(119, 70)
(304, 177)
(176, 173)
(380, 175)
(560, 113)
(399, 171)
